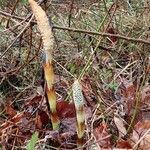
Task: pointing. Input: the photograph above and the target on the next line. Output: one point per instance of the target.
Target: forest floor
(106, 45)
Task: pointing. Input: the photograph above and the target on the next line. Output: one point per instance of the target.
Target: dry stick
(16, 70)
(85, 31)
(48, 46)
(99, 27)
(103, 34)
(17, 37)
(13, 9)
(89, 145)
(138, 142)
(89, 62)
(70, 13)
(30, 42)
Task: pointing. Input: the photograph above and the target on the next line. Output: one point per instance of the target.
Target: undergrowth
(114, 73)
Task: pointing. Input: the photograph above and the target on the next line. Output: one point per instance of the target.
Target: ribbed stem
(48, 44)
(51, 95)
(80, 114)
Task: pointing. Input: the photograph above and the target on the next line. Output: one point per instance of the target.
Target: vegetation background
(104, 43)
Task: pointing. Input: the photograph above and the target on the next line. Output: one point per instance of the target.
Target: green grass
(32, 143)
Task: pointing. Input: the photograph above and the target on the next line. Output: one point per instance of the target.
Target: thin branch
(17, 37)
(85, 31)
(103, 34)
(142, 138)
(13, 9)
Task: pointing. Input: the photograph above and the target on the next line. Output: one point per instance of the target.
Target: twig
(17, 37)
(70, 13)
(138, 142)
(103, 34)
(85, 31)
(13, 9)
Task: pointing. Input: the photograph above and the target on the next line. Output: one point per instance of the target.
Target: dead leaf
(144, 103)
(120, 126)
(122, 144)
(65, 109)
(38, 122)
(10, 110)
(68, 125)
(141, 135)
(146, 95)
(88, 91)
(129, 95)
(13, 120)
(101, 132)
(41, 120)
(66, 134)
(112, 30)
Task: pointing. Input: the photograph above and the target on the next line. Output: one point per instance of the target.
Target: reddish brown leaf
(146, 95)
(129, 94)
(88, 91)
(10, 110)
(65, 109)
(120, 126)
(141, 134)
(100, 133)
(33, 100)
(123, 144)
(112, 31)
(44, 118)
(38, 122)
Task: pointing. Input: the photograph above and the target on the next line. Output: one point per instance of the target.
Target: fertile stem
(80, 114)
(48, 44)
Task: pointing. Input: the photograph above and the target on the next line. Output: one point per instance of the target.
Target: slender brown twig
(13, 9)
(138, 40)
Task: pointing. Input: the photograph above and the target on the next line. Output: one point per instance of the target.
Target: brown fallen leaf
(129, 95)
(65, 109)
(146, 95)
(141, 135)
(120, 126)
(38, 122)
(10, 110)
(87, 90)
(145, 102)
(101, 132)
(122, 144)
(42, 119)
(112, 30)
(13, 120)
